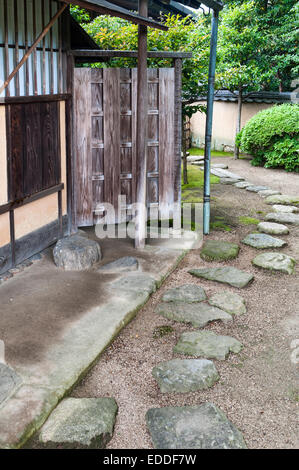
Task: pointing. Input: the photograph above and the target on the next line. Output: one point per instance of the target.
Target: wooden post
(141, 134)
(178, 128)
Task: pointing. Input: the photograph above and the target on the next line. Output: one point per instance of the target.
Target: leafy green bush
(272, 137)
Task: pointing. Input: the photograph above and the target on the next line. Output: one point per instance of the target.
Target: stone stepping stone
(271, 227)
(207, 344)
(229, 301)
(185, 375)
(227, 275)
(242, 184)
(135, 283)
(80, 423)
(127, 263)
(283, 217)
(9, 381)
(226, 174)
(222, 166)
(256, 189)
(198, 314)
(282, 199)
(217, 250)
(262, 241)
(268, 192)
(229, 180)
(76, 253)
(192, 427)
(185, 293)
(281, 208)
(275, 262)
(195, 158)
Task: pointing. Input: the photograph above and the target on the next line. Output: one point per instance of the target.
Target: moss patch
(219, 250)
(214, 153)
(161, 331)
(248, 220)
(220, 226)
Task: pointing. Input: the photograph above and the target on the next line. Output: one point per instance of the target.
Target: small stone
(76, 253)
(185, 293)
(229, 301)
(135, 283)
(275, 229)
(185, 375)
(268, 192)
(282, 199)
(9, 381)
(192, 427)
(229, 180)
(227, 275)
(275, 261)
(261, 241)
(127, 263)
(284, 217)
(281, 208)
(198, 314)
(242, 184)
(217, 250)
(256, 189)
(80, 423)
(207, 344)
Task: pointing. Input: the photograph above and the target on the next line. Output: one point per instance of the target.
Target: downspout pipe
(209, 121)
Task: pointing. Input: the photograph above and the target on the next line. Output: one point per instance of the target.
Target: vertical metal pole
(209, 121)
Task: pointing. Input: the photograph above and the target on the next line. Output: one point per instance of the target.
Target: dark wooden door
(105, 139)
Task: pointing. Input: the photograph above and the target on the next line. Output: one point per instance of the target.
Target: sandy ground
(258, 389)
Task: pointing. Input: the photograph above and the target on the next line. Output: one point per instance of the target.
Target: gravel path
(257, 388)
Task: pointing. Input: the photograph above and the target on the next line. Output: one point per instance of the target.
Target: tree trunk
(185, 175)
(238, 126)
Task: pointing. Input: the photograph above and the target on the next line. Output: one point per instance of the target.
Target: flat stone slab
(185, 375)
(80, 423)
(281, 208)
(217, 250)
(195, 158)
(283, 217)
(222, 166)
(268, 192)
(9, 381)
(207, 344)
(185, 293)
(262, 241)
(242, 184)
(226, 174)
(282, 199)
(229, 180)
(229, 301)
(76, 253)
(271, 227)
(127, 263)
(135, 282)
(198, 314)
(275, 262)
(192, 427)
(227, 275)
(256, 189)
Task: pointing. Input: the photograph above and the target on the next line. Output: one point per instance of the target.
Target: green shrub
(272, 137)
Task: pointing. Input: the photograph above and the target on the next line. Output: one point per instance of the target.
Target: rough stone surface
(185, 375)
(268, 192)
(222, 166)
(229, 301)
(76, 253)
(282, 199)
(256, 189)
(185, 293)
(275, 261)
(281, 208)
(242, 184)
(192, 427)
(195, 158)
(135, 282)
(80, 423)
(226, 174)
(283, 217)
(227, 275)
(198, 314)
(271, 227)
(219, 250)
(229, 180)
(9, 380)
(127, 263)
(262, 240)
(207, 344)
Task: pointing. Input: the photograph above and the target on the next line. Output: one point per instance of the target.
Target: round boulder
(76, 253)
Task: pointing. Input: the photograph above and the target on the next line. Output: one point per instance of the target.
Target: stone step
(262, 241)
(282, 199)
(229, 180)
(226, 174)
(192, 427)
(76, 253)
(9, 381)
(242, 184)
(256, 189)
(229, 302)
(185, 375)
(268, 192)
(271, 227)
(281, 208)
(186, 293)
(283, 217)
(275, 262)
(207, 344)
(124, 264)
(227, 275)
(218, 250)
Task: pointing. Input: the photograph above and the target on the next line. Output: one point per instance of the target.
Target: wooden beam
(32, 48)
(106, 8)
(141, 133)
(98, 54)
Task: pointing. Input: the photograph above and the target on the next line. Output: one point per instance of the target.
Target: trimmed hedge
(272, 137)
